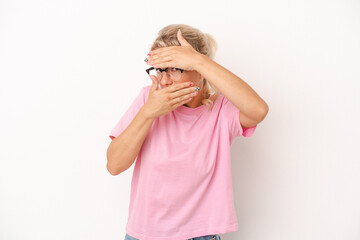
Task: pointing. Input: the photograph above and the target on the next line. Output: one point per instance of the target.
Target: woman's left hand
(184, 56)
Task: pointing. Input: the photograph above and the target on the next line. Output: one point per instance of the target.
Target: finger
(161, 54)
(181, 39)
(177, 86)
(158, 60)
(164, 64)
(181, 100)
(155, 83)
(160, 50)
(186, 92)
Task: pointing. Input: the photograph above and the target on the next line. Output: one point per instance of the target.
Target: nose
(165, 80)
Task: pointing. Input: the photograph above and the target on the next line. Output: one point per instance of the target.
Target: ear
(181, 39)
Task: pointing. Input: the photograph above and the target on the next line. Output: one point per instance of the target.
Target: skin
(187, 76)
(253, 108)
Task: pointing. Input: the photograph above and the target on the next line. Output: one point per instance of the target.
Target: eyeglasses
(175, 73)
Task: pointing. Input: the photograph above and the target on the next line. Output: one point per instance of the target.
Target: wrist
(145, 113)
(202, 60)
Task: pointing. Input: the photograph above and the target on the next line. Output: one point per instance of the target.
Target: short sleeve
(233, 116)
(130, 113)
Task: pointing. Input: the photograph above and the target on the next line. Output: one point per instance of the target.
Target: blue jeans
(207, 237)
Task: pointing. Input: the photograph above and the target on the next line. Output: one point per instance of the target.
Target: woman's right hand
(167, 99)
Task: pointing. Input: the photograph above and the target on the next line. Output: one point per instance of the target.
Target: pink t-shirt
(181, 185)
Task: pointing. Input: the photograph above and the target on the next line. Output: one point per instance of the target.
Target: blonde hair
(203, 43)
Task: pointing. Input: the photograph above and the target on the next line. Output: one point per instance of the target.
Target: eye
(174, 69)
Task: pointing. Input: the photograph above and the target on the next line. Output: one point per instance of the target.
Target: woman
(180, 134)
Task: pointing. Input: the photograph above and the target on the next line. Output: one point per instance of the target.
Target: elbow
(263, 111)
(110, 166)
(112, 171)
(261, 114)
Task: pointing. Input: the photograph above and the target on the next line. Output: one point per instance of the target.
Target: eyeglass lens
(173, 73)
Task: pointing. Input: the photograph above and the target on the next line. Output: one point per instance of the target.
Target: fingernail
(149, 54)
(146, 60)
(197, 89)
(191, 84)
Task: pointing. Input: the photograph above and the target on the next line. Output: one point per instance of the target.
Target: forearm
(232, 87)
(124, 149)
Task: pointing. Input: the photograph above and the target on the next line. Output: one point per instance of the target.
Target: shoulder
(144, 92)
(146, 89)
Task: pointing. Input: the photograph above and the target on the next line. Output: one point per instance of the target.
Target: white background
(70, 69)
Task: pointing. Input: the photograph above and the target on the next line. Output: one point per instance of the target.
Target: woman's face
(186, 76)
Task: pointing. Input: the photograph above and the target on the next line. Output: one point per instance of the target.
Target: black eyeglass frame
(161, 70)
